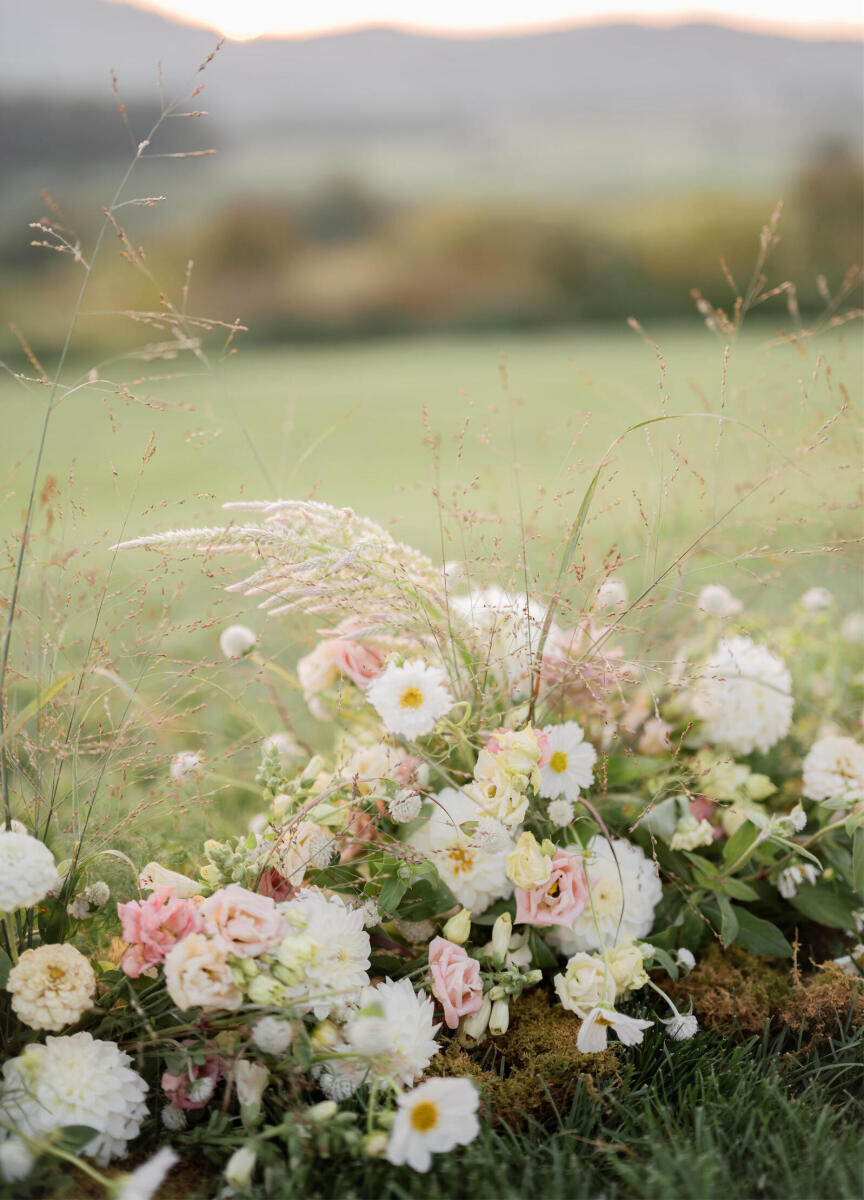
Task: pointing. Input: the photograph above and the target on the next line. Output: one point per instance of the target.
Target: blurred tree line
(340, 261)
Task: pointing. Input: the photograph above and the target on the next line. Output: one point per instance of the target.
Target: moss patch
(534, 1068)
(733, 990)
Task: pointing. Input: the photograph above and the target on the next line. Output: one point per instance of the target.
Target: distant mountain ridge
(604, 72)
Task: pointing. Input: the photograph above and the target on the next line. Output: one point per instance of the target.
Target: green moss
(535, 1067)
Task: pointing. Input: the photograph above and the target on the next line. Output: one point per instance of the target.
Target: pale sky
(253, 18)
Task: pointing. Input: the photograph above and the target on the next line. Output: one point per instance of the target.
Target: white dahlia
(27, 871)
(571, 762)
(834, 769)
(474, 873)
(339, 968)
(744, 697)
(52, 986)
(75, 1080)
(622, 903)
(410, 1031)
(410, 699)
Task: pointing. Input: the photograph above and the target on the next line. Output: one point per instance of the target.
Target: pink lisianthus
(194, 1088)
(703, 809)
(246, 923)
(360, 663)
(456, 980)
(153, 926)
(558, 901)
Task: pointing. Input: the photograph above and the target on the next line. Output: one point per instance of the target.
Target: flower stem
(11, 936)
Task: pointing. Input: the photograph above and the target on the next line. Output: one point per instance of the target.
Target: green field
(523, 422)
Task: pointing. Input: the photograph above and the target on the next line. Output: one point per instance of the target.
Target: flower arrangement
(504, 806)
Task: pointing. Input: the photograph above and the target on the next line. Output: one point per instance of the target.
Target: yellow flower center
(601, 1020)
(424, 1116)
(461, 858)
(412, 697)
(55, 974)
(558, 761)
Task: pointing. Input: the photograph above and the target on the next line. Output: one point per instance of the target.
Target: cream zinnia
(52, 986)
(744, 697)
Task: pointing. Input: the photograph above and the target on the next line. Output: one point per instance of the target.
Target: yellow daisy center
(558, 761)
(424, 1116)
(412, 697)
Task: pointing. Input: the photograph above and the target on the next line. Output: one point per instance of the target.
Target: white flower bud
(237, 641)
(499, 1020)
(241, 1164)
(250, 1079)
(322, 1112)
(458, 928)
(681, 1028)
(474, 1026)
(501, 931)
(685, 959)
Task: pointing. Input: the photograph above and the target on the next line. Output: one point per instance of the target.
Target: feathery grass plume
(323, 560)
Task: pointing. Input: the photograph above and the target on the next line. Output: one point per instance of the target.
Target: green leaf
(858, 862)
(5, 968)
(76, 1137)
(739, 842)
(661, 959)
(542, 954)
(824, 905)
(738, 890)
(760, 937)
(728, 921)
(392, 891)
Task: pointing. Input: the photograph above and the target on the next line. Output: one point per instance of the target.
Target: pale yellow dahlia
(51, 986)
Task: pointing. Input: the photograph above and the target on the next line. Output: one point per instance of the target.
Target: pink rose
(456, 980)
(246, 923)
(358, 662)
(153, 926)
(558, 901)
(178, 1087)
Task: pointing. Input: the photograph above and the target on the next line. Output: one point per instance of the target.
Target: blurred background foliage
(377, 183)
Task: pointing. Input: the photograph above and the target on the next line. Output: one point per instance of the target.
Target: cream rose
(197, 975)
(625, 964)
(586, 982)
(527, 866)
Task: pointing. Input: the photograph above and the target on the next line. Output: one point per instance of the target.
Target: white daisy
(339, 968)
(834, 769)
(594, 1030)
(744, 697)
(474, 873)
(435, 1117)
(623, 903)
(571, 762)
(410, 699)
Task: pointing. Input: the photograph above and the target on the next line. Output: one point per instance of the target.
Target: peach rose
(245, 922)
(558, 901)
(197, 975)
(358, 662)
(456, 980)
(153, 926)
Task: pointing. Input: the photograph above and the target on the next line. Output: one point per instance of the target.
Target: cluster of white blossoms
(744, 697)
(410, 699)
(474, 872)
(624, 889)
(28, 872)
(75, 1080)
(834, 770)
(508, 629)
(51, 986)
